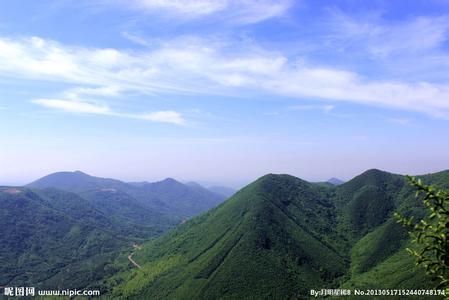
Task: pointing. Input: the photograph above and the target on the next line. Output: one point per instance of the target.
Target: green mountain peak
(272, 231)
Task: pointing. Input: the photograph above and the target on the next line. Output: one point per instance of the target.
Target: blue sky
(223, 91)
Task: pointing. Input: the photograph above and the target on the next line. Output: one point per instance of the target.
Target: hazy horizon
(207, 183)
(223, 91)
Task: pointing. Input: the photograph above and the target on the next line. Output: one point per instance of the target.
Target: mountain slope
(272, 232)
(126, 210)
(69, 224)
(111, 197)
(279, 237)
(52, 237)
(378, 255)
(46, 243)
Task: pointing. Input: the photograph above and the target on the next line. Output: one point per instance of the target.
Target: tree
(430, 234)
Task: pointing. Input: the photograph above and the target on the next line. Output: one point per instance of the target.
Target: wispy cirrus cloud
(135, 38)
(105, 91)
(325, 108)
(190, 65)
(73, 106)
(236, 11)
(83, 107)
(186, 7)
(414, 47)
(380, 39)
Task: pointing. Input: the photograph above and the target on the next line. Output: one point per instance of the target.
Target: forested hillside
(50, 243)
(66, 229)
(279, 237)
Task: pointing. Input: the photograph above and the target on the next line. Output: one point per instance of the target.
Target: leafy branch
(431, 233)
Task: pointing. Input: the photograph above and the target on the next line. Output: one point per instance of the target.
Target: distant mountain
(76, 182)
(110, 196)
(138, 184)
(193, 184)
(222, 190)
(124, 208)
(335, 181)
(179, 199)
(169, 197)
(281, 236)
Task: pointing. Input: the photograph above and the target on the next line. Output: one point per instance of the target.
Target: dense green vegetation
(430, 235)
(281, 236)
(49, 245)
(65, 229)
(277, 238)
(264, 234)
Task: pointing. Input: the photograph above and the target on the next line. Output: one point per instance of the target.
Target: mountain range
(335, 181)
(280, 237)
(276, 238)
(167, 196)
(66, 227)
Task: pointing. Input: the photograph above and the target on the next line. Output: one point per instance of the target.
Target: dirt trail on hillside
(130, 257)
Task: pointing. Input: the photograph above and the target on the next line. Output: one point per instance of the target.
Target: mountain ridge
(229, 235)
(281, 236)
(164, 197)
(95, 218)
(278, 237)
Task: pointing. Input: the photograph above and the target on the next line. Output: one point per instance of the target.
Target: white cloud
(105, 91)
(381, 40)
(163, 116)
(254, 11)
(196, 66)
(73, 106)
(325, 108)
(347, 86)
(237, 11)
(189, 7)
(414, 48)
(84, 107)
(135, 39)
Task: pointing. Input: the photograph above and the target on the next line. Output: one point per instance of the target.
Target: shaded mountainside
(279, 237)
